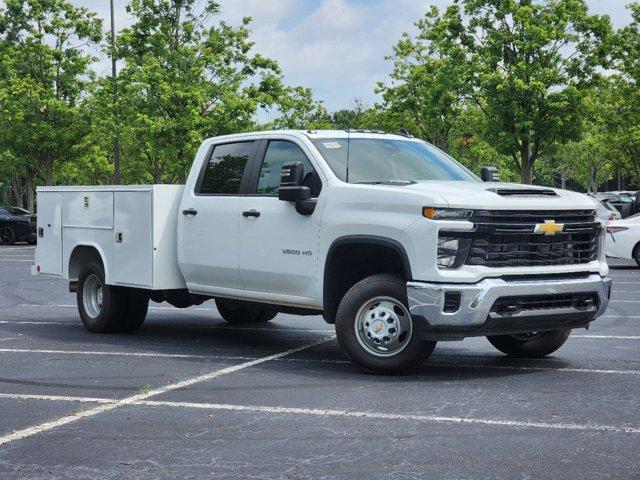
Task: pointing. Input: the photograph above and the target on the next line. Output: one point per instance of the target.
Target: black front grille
(508, 238)
(512, 305)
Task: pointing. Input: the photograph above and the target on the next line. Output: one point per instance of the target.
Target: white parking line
(27, 432)
(55, 398)
(14, 260)
(608, 337)
(432, 363)
(283, 328)
(396, 416)
(109, 404)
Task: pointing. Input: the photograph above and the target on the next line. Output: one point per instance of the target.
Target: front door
(209, 219)
(278, 246)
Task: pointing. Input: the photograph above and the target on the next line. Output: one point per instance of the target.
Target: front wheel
(376, 330)
(530, 345)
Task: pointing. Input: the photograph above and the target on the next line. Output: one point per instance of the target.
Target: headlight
(446, 213)
(452, 252)
(447, 252)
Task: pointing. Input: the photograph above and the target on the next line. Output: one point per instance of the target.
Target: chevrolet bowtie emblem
(549, 227)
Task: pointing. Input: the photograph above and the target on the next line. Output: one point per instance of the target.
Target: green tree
(45, 72)
(423, 93)
(182, 82)
(523, 63)
(622, 99)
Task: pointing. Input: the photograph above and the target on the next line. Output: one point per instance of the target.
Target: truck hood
(503, 196)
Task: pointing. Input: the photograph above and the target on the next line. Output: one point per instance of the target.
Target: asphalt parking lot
(190, 397)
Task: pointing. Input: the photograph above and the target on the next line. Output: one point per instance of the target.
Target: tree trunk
(16, 186)
(48, 169)
(28, 187)
(526, 162)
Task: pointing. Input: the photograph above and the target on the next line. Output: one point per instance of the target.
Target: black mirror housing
(489, 174)
(292, 188)
(291, 179)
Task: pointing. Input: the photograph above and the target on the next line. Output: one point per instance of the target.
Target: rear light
(616, 229)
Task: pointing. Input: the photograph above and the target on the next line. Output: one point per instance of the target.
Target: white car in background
(607, 212)
(623, 238)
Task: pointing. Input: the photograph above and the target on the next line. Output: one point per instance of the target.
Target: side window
(278, 153)
(225, 168)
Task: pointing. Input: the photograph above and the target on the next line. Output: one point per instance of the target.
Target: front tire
(530, 345)
(636, 254)
(375, 329)
(240, 315)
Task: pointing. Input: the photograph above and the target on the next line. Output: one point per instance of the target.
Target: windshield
(378, 160)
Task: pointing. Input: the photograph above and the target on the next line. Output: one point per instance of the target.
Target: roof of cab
(317, 134)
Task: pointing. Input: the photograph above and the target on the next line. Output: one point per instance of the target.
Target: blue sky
(336, 47)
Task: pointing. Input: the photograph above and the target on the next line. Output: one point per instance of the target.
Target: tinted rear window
(225, 168)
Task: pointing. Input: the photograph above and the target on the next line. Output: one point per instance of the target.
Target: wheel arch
(82, 254)
(354, 257)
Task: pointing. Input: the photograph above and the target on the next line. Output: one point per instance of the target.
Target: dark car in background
(17, 225)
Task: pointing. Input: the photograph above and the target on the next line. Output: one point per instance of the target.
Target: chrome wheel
(383, 326)
(92, 296)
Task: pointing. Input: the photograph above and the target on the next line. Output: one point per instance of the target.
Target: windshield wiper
(389, 182)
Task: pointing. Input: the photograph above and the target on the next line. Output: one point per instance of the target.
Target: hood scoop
(523, 192)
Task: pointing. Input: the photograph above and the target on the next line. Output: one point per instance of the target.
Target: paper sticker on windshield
(331, 145)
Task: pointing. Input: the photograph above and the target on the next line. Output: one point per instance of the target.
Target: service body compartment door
(88, 209)
(49, 249)
(133, 244)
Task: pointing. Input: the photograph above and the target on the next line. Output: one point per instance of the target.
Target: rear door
(278, 246)
(209, 220)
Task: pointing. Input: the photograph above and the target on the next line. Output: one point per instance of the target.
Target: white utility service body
(133, 228)
(467, 254)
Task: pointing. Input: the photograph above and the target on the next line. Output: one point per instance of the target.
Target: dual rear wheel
(111, 309)
(106, 308)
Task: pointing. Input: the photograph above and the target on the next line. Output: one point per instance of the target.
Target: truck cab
(384, 235)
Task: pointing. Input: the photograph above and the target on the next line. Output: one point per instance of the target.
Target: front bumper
(476, 315)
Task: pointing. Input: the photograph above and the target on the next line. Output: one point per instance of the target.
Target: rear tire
(636, 254)
(137, 307)
(534, 345)
(375, 329)
(241, 315)
(102, 307)
(7, 236)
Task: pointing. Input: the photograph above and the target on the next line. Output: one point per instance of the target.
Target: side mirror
(292, 188)
(489, 174)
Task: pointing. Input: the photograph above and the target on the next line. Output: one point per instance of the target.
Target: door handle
(189, 211)
(251, 213)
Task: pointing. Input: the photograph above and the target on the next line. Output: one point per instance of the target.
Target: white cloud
(336, 47)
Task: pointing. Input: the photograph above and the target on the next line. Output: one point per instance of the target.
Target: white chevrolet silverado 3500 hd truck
(384, 235)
